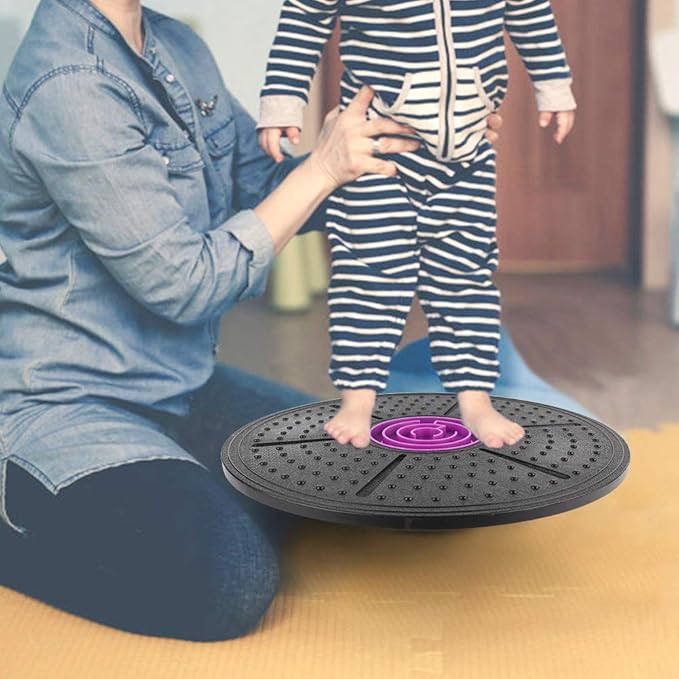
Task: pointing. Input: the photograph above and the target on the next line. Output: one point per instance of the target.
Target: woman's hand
(343, 152)
(346, 149)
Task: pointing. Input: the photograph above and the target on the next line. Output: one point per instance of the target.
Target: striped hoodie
(437, 65)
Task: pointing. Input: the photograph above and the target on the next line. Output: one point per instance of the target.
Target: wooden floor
(592, 336)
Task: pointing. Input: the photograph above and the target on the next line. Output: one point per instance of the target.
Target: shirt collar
(150, 42)
(90, 13)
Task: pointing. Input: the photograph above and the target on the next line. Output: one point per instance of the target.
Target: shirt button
(169, 78)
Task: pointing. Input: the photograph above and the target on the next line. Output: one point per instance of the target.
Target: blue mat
(412, 371)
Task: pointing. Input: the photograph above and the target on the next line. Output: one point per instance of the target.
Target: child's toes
(509, 436)
(512, 433)
(360, 441)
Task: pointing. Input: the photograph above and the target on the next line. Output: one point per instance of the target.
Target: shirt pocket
(451, 132)
(418, 104)
(221, 143)
(481, 90)
(185, 172)
(472, 107)
(180, 157)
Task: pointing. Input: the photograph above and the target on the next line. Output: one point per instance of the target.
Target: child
(438, 66)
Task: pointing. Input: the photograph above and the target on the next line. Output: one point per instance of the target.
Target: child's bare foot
(352, 422)
(485, 422)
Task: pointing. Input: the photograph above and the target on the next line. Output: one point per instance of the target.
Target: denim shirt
(127, 184)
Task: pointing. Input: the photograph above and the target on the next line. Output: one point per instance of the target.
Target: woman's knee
(193, 563)
(235, 605)
(179, 556)
(231, 573)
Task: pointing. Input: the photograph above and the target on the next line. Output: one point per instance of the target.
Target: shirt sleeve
(533, 30)
(303, 30)
(83, 138)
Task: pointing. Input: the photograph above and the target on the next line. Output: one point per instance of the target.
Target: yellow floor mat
(592, 593)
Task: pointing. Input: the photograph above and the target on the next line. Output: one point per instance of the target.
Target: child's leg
(372, 233)
(461, 301)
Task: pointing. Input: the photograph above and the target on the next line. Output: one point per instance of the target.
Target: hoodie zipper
(444, 38)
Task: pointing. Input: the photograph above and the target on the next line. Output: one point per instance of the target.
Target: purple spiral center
(423, 434)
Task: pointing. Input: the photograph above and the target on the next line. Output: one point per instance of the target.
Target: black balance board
(424, 470)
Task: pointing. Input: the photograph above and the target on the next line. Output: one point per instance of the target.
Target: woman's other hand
(346, 147)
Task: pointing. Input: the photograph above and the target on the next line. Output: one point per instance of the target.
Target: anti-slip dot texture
(424, 470)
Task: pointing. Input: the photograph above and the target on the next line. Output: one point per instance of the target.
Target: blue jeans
(159, 547)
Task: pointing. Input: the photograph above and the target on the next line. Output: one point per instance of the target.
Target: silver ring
(376, 146)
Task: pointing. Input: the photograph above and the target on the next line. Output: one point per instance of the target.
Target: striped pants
(431, 231)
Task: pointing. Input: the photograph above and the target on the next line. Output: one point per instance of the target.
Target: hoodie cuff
(555, 95)
(281, 110)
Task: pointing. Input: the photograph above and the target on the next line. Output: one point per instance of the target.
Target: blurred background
(584, 230)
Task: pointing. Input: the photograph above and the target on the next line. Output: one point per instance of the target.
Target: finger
(265, 141)
(293, 134)
(382, 126)
(545, 118)
(275, 144)
(565, 125)
(495, 121)
(276, 148)
(331, 115)
(491, 136)
(561, 126)
(396, 145)
(362, 100)
(378, 166)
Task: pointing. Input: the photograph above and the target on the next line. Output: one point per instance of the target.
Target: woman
(135, 209)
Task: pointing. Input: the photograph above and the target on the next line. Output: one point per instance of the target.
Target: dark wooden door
(572, 207)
